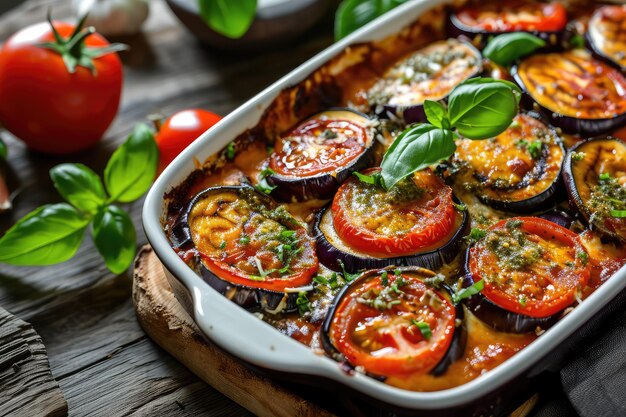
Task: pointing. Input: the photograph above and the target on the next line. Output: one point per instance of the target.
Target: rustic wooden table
(101, 358)
(103, 361)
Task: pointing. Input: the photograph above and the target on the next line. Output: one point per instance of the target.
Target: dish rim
(232, 328)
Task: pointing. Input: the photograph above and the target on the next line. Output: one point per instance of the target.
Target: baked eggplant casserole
(429, 280)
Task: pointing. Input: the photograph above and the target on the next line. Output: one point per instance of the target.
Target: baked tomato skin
(42, 103)
(517, 16)
(530, 266)
(180, 130)
(392, 324)
(416, 213)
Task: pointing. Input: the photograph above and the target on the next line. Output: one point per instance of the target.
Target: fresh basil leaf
(79, 185)
(115, 238)
(436, 114)
(509, 47)
(416, 148)
(482, 108)
(231, 18)
(48, 235)
(352, 14)
(3, 150)
(132, 166)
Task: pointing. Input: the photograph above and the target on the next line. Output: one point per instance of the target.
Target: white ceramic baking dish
(245, 336)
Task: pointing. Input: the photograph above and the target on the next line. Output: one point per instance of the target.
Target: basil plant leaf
(132, 167)
(482, 108)
(509, 47)
(115, 238)
(353, 14)
(4, 151)
(436, 114)
(231, 18)
(48, 235)
(79, 185)
(416, 148)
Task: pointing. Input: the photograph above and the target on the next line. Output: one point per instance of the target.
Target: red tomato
(415, 214)
(399, 328)
(511, 17)
(180, 130)
(307, 151)
(530, 266)
(49, 108)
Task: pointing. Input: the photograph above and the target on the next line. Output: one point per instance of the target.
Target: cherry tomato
(392, 326)
(530, 266)
(179, 130)
(415, 214)
(44, 104)
(511, 17)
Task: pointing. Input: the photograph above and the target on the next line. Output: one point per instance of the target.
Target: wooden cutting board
(169, 325)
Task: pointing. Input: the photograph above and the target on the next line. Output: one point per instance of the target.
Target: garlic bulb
(113, 17)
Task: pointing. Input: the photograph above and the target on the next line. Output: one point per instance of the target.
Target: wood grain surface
(28, 388)
(103, 361)
(100, 356)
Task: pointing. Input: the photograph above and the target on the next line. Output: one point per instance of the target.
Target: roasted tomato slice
(519, 168)
(574, 84)
(392, 324)
(244, 240)
(595, 177)
(498, 17)
(413, 215)
(607, 33)
(530, 266)
(324, 143)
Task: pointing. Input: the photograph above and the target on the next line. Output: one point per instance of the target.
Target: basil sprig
(509, 47)
(53, 233)
(352, 14)
(478, 108)
(231, 18)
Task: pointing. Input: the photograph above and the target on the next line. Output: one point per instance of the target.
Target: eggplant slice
(331, 249)
(480, 21)
(606, 35)
(315, 157)
(517, 171)
(459, 340)
(531, 269)
(246, 247)
(428, 74)
(575, 91)
(595, 177)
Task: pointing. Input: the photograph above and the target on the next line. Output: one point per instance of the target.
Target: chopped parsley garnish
(384, 279)
(288, 248)
(460, 207)
(423, 327)
(223, 245)
(512, 248)
(605, 176)
(329, 134)
(349, 277)
(399, 282)
(332, 281)
(583, 256)
(397, 272)
(262, 273)
(304, 306)
(467, 292)
(578, 156)
(263, 186)
(522, 300)
(230, 151)
(244, 240)
(620, 214)
(577, 41)
(608, 198)
(534, 148)
(475, 235)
